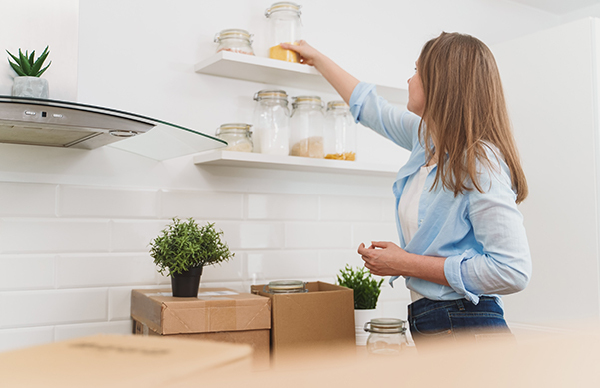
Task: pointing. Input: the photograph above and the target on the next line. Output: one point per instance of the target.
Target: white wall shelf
(276, 72)
(293, 163)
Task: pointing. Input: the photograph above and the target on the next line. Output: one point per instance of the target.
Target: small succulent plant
(26, 65)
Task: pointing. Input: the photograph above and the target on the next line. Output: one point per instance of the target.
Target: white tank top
(408, 210)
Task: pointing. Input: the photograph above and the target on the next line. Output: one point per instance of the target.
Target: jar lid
(233, 33)
(307, 100)
(233, 128)
(283, 286)
(271, 94)
(283, 6)
(385, 325)
(337, 105)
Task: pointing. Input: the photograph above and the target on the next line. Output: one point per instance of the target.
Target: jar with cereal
(234, 40)
(306, 127)
(340, 132)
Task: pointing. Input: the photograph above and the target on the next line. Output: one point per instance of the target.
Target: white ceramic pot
(360, 318)
(35, 87)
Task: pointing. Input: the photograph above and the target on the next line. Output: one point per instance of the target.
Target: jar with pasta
(237, 136)
(306, 127)
(235, 40)
(340, 132)
(285, 27)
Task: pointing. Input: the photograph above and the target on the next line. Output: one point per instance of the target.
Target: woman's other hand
(308, 54)
(384, 258)
(388, 259)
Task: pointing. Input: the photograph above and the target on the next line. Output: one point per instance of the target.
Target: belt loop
(460, 305)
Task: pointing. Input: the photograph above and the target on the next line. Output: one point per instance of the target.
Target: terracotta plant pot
(186, 284)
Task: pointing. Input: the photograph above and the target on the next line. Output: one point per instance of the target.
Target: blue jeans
(434, 321)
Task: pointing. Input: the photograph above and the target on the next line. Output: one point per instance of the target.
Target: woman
(462, 237)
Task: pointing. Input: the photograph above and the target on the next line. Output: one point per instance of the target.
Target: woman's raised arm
(342, 81)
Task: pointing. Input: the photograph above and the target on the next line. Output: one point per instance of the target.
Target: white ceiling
(559, 7)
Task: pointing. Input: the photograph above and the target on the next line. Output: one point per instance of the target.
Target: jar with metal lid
(285, 27)
(271, 122)
(235, 40)
(306, 127)
(340, 132)
(387, 336)
(285, 287)
(237, 136)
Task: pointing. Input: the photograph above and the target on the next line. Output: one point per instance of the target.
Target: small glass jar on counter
(271, 122)
(387, 336)
(237, 136)
(285, 27)
(235, 40)
(286, 287)
(339, 132)
(306, 127)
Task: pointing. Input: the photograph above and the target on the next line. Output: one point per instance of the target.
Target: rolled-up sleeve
(373, 111)
(504, 265)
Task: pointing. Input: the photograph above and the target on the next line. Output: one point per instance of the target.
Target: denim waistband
(422, 305)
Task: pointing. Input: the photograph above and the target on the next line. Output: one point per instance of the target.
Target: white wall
(33, 25)
(551, 92)
(74, 225)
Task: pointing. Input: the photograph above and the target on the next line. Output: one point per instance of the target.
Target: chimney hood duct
(64, 124)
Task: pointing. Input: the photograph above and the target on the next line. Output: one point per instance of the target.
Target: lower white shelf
(293, 163)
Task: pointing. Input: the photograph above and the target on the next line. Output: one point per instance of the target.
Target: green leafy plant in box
(25, 65)
(184, 245)
(366, 288)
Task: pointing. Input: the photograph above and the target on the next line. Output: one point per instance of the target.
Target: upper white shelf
(272, 71)
(293, 163)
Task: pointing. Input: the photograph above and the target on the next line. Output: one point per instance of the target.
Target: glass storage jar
(271, 122)
(387, 336)
(237, 136)
(285, 26)
(340, 132)
(285, 287)
(306, 127)
(234, 40)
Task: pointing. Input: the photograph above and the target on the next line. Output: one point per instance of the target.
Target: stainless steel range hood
(65, 124)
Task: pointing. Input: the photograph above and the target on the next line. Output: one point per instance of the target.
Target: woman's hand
(388, 259)
(385, 258)
(342, 81)
(308, 54)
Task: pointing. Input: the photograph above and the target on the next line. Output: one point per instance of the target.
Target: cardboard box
(218, 314)
(121, 361)
(321, 317)
(259, 340)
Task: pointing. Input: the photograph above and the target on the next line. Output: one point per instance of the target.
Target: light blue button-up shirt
(480, 234)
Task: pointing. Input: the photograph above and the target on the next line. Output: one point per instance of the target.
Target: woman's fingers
(379, 244)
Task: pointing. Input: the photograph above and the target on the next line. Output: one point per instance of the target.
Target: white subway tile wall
(107, 202)
(11, 339)
(71, 254)
(28, 235)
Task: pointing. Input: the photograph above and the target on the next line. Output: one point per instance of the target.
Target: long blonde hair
(465, 112)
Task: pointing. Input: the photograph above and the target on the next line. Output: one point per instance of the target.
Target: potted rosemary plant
(366, 293)
(29, 69)
(182, 250)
